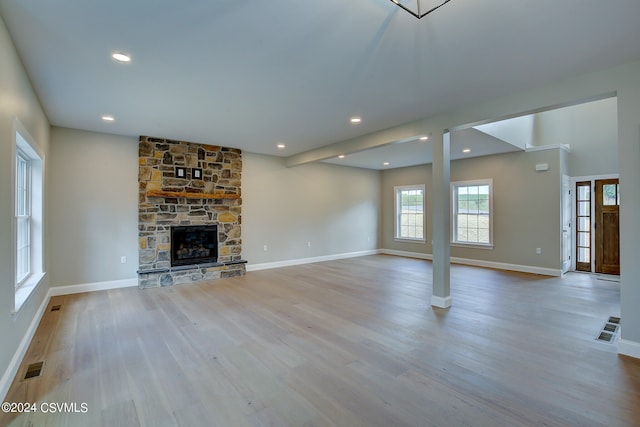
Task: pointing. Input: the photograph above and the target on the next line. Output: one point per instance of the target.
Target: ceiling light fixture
(386, 163)
(420, 8)
(466, 150)
(108, 118)
(424, 138)
(281, 146)
(341, 156)
(355, 120)
(121, 57)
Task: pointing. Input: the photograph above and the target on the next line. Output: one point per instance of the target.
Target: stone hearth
(185, 183)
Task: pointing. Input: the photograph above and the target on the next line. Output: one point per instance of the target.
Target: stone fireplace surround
(166, 200)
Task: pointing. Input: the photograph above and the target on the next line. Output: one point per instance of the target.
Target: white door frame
(574, 180)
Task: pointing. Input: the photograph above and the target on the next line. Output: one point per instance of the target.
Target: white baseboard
(311, 260)
(12, 369)
(480, 263)
(406, 254)
(441, 302)
(92, 287)
(511, 267)
(629, 348)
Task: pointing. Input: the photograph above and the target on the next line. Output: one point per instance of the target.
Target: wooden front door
(607, 229)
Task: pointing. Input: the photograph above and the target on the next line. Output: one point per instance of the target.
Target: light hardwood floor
(344, 343)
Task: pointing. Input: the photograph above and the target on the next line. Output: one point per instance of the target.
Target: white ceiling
(417, 152)
(250, 74)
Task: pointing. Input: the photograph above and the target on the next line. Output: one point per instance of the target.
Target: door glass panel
(583, 192)
(584, 239)
(584, 208)
(584, 224)
(584, 255)
(609, 194)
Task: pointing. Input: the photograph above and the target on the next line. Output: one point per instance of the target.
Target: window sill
(487, 246)
(26, 290)
(407, 240)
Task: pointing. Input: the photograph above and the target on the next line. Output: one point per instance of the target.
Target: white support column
(440, 196)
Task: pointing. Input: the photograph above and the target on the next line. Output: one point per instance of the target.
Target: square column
(441, 208)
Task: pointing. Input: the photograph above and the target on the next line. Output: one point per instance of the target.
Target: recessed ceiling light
(341, 156)
(281, 146)
(355, 120)
(424, 138)
(108, 118)
(121, 57)
(386, 163)
(466, 150)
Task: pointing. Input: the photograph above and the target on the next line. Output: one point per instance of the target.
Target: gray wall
(526, 207)
(591, 129)
(17, 99)
(413, 175)
(622, 81)
(94, 196)
(627, 83)
(93, 208)
(336, 208)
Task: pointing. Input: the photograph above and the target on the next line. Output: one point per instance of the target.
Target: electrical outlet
(538, 251)
(309, 244)
(264, 248)
(123, 259)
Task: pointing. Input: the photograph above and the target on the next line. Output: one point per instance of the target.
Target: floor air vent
(609, 330)
(55, 308)
(605, 336)
(34, 370)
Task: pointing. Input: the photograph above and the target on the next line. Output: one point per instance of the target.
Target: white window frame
(26, 146)
(454, 213)
(23, 216)
(397, 191)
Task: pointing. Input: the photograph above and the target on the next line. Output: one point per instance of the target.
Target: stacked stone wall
(185, 183)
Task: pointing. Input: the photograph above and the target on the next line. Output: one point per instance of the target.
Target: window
(28, 208)
(23, 217)
(409, 213)
(472, 212)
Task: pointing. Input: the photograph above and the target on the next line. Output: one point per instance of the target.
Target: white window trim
(27, 214)
(396, 221)
(28, 146)
(456, 243)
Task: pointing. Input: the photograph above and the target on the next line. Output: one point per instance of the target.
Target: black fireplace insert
(194, 244)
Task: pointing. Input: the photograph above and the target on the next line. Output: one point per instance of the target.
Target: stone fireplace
(189, 196)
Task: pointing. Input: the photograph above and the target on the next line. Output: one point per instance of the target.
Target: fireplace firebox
(194, 244)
